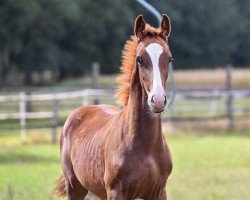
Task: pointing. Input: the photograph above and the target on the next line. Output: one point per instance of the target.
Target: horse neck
(144, 127)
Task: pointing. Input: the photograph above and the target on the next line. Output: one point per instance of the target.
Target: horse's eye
(139, 60)
(170, 60)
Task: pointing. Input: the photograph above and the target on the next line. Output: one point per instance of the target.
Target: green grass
(206, 167)
(210, 167)
(28, 170)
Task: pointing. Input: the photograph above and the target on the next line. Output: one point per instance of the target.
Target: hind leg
(75, 190)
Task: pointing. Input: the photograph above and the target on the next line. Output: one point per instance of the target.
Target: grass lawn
(28, 172)
(210, 167)
(207, 167)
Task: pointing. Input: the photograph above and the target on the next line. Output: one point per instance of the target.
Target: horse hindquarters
(68, 181)
(80, 147)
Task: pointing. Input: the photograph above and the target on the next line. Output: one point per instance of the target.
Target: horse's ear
(165, 26)
(139, 27)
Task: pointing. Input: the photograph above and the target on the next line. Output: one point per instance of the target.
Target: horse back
(88, 119)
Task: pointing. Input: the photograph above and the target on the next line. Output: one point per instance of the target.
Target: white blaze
(154, 50)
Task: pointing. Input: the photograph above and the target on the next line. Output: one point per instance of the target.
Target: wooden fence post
(54, 121)
(95, 77)
(28, 102)
(85, 97)
(229, 100)
(22, 112)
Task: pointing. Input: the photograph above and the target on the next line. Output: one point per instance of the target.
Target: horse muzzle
(158, 103)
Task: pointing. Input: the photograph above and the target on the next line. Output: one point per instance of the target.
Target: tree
(241, 53)
(97, 35)
(66, 36)
(41, 39)
(202, 34)
(15, 15)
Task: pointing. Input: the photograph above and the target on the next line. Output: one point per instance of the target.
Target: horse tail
(60, 188)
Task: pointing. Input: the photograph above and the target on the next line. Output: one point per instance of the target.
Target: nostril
(165, 100)
(152, 99)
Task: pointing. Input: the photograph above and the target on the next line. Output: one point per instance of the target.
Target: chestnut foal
(122, 154)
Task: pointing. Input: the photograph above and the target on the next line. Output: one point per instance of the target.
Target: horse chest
(146, 172)
(141, 176)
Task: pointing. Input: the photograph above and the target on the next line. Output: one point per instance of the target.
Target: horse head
(152, 59)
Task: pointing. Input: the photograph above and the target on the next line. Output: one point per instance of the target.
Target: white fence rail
(23, 99)
(59, 96)
(185, 102)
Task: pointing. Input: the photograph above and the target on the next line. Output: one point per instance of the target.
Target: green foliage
(204, 32)
(98, 35)
(209, 167)
(66, 36)
(242, 51)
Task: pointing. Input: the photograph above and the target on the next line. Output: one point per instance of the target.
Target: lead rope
(173, 86)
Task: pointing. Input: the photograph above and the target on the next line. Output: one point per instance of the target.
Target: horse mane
(128, 61)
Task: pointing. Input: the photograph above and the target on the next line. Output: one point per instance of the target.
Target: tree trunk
(4, 64)
(61, 73)
(1, 68)
(27, 79)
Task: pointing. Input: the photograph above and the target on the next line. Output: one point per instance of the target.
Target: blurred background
(56, 55)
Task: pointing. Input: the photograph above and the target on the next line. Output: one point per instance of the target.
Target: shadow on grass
(27, 158)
